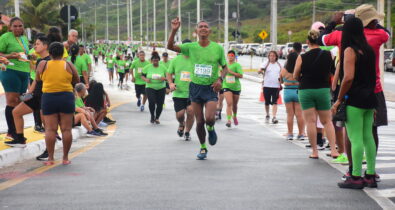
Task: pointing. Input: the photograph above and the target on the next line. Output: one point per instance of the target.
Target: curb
(12, 156)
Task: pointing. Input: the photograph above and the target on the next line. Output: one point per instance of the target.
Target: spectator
(97, 100)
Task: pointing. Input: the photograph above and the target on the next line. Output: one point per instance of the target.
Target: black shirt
(317, 66)
(37, 92)
(361, 93)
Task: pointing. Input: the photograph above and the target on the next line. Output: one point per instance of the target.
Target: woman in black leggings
(155, 75)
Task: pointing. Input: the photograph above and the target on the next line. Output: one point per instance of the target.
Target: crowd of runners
(334, 93)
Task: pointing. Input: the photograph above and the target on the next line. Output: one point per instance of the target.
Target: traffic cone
(261, 97)
(279, 100)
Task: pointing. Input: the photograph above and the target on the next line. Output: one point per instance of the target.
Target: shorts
(34, 103)
(61, 102)
(127, 71)
(221, 91)
(380, 117)
(202, 93)
(291, 95)
(140, 90)
(271, 95)
(96, 58)
(14, 81)
(233, 91)
(181, 103)
(110, 69)
(320, 99)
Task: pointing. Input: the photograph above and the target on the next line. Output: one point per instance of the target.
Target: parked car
(388, 60)
(305, 48)
(280, 51)
(287, 49)
(267, 48)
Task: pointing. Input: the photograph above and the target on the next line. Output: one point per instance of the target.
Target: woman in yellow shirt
(58, 106)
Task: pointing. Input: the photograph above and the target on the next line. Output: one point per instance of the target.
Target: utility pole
(118, 19)
(314, 12)
(273, 25)
(131, 19)
(17, 12)
(95, 23)
(82, 24)
(219, 20)
(107, 20)
(141, 22)
(166, 26)
(179, 15)
(147, 21)
(389, 27)
(127, 18)
(154, 21)
(380, 9)
(68, 18)
(189, 25)
(238, 21)
(198, 11)
(226, 23)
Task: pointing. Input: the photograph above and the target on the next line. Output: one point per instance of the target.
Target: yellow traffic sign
(263, 34)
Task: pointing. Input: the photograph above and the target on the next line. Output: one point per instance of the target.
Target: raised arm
(175, 25)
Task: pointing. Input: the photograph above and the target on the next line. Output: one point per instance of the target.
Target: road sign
(263, 34)
(73, 13)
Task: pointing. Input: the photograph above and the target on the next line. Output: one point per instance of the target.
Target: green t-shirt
(167, 64)
(182, 69)
(79, 103)
(155, 74)
(110, 62)
(96, 52)
(231, 81)
(206, 61)
(79, 64)
(33, 70)
(87, 58)
(121, 66)
(128, 64)
(10, 44)
(137, 68)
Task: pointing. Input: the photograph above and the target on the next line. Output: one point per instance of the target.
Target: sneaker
(346, 176)
(139, 102)
(43, 157)
(187, 136)
(267, 118)
(228, 124)
(39, 129)
(109, 121)
(308, 146)
(93, 133)
(202, 154)
(157, 121)
(180, 132)
(100, 131)
(377, 177)
(301, 137)
(274, 120)
(370, 181)
(142, 108)
(235, 121)
(9, 137)
(102, 124)
(16, 143)
(290, 137)
(152, 121)
(352, 183)
(341, 159)
(212, 137)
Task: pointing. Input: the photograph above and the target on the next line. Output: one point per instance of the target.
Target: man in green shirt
(139, 84)
(96, 54)
(180, 69)
(86, 58)
(206, 56)
(110, 61)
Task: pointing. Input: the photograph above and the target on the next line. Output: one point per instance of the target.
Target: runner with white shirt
(271, 84)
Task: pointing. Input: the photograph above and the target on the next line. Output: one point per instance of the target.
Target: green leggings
(359, 129)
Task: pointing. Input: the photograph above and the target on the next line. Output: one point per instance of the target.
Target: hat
(317, 26)
(165, 54)
(367, 13)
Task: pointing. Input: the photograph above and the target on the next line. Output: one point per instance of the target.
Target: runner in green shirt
(139, 84)
(206, 56)
(120, 65)
(180, 69)
(155, 76)
(166, 63)
(232, 88)
(96, 54)
(128, 64)
(110, 61)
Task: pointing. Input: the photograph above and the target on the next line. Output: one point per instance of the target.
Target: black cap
(165, 54)
(186, 41)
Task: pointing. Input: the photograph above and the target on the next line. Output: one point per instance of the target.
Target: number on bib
(203, 71)
(230, 79)
(156, 76)
(140, 70)
(185, 76)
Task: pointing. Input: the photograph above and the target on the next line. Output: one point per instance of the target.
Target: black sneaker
(370, 181)
(100, 131)
(43, 157)
(187, 136)
(139, 102)
(109, 121)
(16, 143)
(212, 137)
(39, 129)
(352, 183)
(180, 132)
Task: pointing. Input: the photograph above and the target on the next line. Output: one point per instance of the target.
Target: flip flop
(312, 157)
(66, 162)
(49, 163)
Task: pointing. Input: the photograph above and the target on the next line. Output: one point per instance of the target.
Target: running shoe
(235, 121)
(157, 121)
(267, 118)
(18, 143)
(290, 137)
(274, 120)
(43, 157)
(301, 137)
(228, 124)
(370, 181)
(377, 177)
(320, 147)
(139, 102)
(93, 133)
(100, 131)
(212, 137)
(202, 154)
(187, 136)
(142, 108)
(9, 137)
(180, 132)
(39, 129)
(108, 121)
(346, 176)
(102, 124)
(341, 159)
(308, 146)
(352, 183)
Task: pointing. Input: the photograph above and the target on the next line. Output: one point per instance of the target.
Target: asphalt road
(148, 167)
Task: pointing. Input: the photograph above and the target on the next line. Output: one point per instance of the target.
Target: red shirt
(375, 38)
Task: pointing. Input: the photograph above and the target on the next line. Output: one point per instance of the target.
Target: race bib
(127, 64)
(185, 76)
(110, 61)
(203, 70)
(23, 57)
(230, 79)
(140, 70)
(156, 76)
(122, 67)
